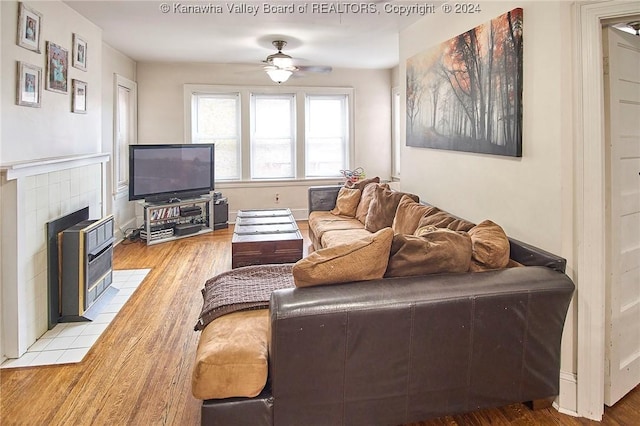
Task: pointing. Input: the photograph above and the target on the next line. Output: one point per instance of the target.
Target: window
(396, 143)
(124, 131)
(216, 119)
(327, 136)
(273, 136)
(271, 133)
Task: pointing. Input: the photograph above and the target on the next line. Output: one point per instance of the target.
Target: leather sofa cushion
(359, 260)
(347, 202)
(435, 250)
(382, 209)
(490, 246)
(408, 215)
(231, 359)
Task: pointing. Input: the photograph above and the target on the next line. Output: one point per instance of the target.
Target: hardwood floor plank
(139, 371)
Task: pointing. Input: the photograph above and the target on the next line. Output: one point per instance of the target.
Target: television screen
(163, 172)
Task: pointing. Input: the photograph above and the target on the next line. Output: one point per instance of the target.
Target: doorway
(590, 196)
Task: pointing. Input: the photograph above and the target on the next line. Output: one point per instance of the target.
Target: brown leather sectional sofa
(398, 350)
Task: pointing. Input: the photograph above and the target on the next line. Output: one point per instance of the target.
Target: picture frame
(29, 85)
(79, 96)
(29, 28)
(465, 94)
(79, 52)
(57, 68)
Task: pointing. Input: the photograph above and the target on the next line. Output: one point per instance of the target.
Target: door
(622, 128)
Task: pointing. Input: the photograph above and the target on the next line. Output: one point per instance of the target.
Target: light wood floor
(139, 371)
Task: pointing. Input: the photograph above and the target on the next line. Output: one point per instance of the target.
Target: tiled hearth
(70, 342)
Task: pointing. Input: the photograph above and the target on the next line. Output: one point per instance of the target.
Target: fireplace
(32, 194)
(80, 266)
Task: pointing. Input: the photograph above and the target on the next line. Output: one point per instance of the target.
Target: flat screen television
(159, 173)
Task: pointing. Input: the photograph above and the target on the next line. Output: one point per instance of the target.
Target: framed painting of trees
(466, 93)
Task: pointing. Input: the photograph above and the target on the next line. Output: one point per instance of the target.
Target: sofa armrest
(323, 198)
(529, 255)
(399, 350)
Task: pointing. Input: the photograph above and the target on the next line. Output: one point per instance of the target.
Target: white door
(622, 91)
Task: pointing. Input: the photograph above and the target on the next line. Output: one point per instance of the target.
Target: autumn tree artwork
(466, 93)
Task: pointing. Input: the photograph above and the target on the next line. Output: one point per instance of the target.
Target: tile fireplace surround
(31, 194)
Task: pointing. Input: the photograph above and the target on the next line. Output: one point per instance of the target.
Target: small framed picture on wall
(29, 23)
(29, 87)
(79, 52)
(79, 96)
(57, 68)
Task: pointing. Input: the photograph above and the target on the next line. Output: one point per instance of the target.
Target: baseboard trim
(566, 403)
(119, 235)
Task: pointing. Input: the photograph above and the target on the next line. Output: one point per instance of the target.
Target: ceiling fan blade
(322, 69)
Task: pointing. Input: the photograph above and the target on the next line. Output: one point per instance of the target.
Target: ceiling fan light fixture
(282, 61)
(279, 75)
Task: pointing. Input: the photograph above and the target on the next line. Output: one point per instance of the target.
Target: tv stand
(177, 218)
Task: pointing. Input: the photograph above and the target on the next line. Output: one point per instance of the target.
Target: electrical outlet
(277, 198)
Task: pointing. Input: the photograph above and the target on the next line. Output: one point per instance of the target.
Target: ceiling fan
(280, 66)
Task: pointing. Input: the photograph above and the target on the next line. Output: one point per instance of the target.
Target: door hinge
(605, 65)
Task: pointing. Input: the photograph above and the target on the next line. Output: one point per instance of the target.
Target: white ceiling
(143, 32)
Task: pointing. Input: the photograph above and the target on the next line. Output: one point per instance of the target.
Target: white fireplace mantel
(30, 168)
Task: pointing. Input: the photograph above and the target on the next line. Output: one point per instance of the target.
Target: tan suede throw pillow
(383, 207)
(436, 250)
(347, 202)
(408, 215)
(365, 200)
(362, 183)
(359, 260)
(490, 246)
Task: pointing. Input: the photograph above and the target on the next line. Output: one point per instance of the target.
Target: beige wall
(51, 130)
(531, 196)
(161, 118)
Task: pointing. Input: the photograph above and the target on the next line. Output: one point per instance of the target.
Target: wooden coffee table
(265, 236)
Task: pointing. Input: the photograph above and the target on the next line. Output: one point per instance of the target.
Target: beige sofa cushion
(334, 238)
(436, 250)
(490, 246)
(408, 215)
(347, 202)
(231, 359)
(359, 260)
(382, 209)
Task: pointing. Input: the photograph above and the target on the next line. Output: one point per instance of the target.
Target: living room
(544, 197)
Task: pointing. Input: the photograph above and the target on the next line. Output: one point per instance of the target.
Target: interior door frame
(590, 199)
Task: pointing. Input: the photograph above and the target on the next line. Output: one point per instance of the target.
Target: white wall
(51, 130)
(531, 196)
(114, 62)
(161, 118)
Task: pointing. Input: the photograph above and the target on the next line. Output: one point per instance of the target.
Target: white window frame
(346, 136)
(292, 117)
(300, 93)
(194, 131)
(121, 186)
